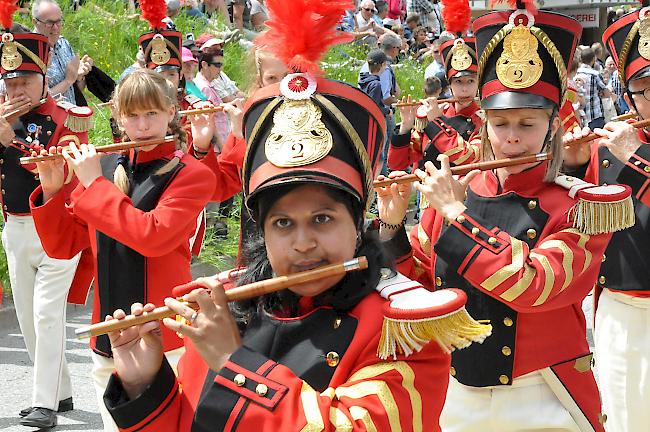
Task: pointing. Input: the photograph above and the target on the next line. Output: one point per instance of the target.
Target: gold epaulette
(600, 209)
(415, 316)
(79, 119)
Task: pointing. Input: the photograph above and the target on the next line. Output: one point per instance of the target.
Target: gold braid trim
(489, 48)
(625, 49)
(557, 59)
(33, 57)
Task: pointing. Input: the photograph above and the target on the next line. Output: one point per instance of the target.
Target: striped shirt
(593, 86)
(62, 54)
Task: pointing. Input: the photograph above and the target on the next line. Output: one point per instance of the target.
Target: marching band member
(40, 284)
(434, 131)
(307, 181)
(136, 212)
(623, 314)
(523, 242)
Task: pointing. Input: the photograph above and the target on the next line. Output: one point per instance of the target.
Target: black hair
(208, 57)
(432, 85)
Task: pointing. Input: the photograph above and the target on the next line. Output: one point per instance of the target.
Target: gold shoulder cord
(625, 49)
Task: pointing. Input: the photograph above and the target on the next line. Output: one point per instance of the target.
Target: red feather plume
(154, 11)
(529, 5)
(456, 15)
(7, 9)
(301, 31)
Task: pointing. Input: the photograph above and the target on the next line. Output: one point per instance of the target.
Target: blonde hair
(144, 89)
(555, 145)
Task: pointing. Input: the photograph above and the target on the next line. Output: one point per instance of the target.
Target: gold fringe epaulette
(599, 209)
(79, 119)
(415, 316)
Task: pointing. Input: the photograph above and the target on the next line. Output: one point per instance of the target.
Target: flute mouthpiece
(83, 332)
(355, 264)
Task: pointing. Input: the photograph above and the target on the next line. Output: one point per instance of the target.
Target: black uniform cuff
(401, 140)
(128, 413)
(465, 238)
(636, 172)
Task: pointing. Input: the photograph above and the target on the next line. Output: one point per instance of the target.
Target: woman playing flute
(318, 356)
(523, 242)
(136, 212)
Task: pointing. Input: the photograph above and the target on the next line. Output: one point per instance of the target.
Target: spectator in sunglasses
(210, 64)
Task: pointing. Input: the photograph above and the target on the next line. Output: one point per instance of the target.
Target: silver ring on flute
(193, 317)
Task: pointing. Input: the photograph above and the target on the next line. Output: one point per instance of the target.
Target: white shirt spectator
(224, 86)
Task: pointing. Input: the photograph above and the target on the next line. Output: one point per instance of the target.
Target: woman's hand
(213, 331)
(620, 138)
(445, 193)
(137, 351)
(235, 110)
(84, 160)
(392, 203)
(203, 128)
(51, 173)
(407, 113)
(433, 108)
(576, 155)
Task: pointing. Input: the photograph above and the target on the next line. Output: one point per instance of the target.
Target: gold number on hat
(11, 58)
(644, 37)
(460, 57)
(519, 66)
(299, 136)
(160, 55)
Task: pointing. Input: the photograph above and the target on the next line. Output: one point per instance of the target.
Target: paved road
(16, 373)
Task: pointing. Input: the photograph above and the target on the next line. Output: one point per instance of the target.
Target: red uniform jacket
(46, 127)
(447, 134)
(140, 242)
(567, 113)
(319, 371)
(226, 167)
(526, 269)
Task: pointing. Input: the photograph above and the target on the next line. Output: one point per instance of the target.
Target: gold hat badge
(520, 66)
(299, 136)
(160, 55)
(460, 57)
(11, 58)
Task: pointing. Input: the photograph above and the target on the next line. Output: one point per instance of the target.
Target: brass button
(2, 161)
(492, 240)
(532, 204)
(508, 322)
(261, 389)
(48, 133)
(637, 163)
(601, 280)
(604, 258)
(568, 179)
(36, 178)
(4, 207)
(468, 120)
(333, 359)
(452, 371)
(531, 233)
(605, 163)
(337, 322)
(240, 380)
(2, 176)
(475, 231)
(506, 350)
(460, 219)
(438, 281)
(647, 169)
(503, 379)
(48, 118)
(3, 192)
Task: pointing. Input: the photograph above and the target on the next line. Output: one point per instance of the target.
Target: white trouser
(40, 286)
(103, 368)
(528, 405)
(622, 338)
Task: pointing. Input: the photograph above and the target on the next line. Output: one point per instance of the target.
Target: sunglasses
(216, 64)
(367, 10)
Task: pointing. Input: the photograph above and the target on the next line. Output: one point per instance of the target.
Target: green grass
(103, 30)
